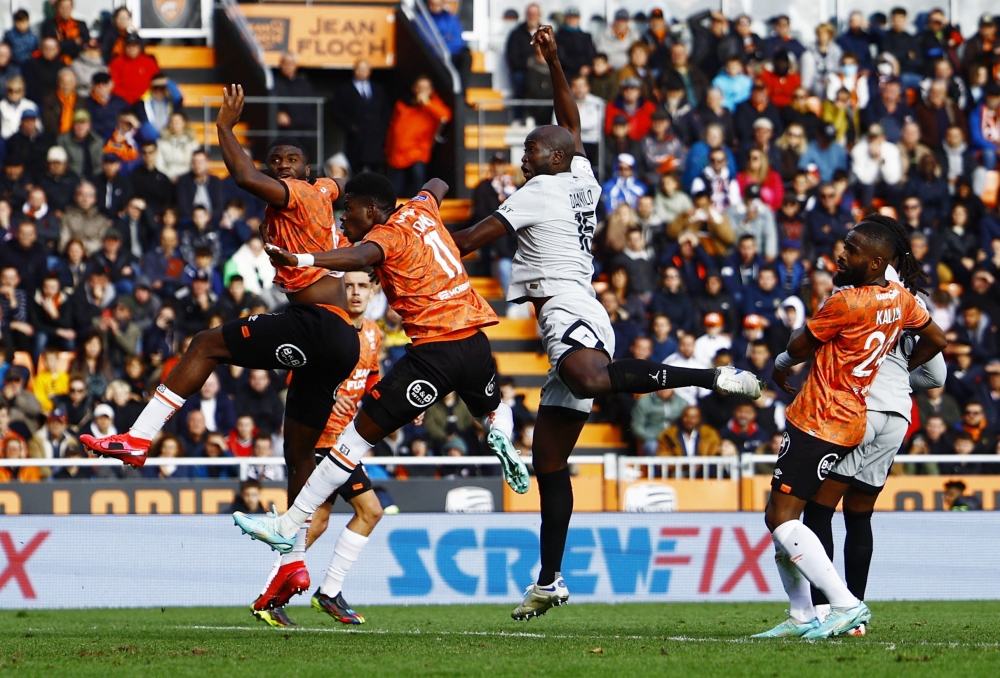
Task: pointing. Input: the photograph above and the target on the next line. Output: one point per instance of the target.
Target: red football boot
(124, 447)
(289, 580)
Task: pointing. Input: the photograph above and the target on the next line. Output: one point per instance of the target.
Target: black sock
(645, 376)
(556, 494)
(858, 547)
(819, 519)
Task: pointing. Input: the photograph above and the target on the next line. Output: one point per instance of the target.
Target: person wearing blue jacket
(984, 126)
(734, 84)
(450, 28)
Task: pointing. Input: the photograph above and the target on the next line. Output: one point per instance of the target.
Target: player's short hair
(289, 141)
(878, 233)
(373, 187)
(369, 271)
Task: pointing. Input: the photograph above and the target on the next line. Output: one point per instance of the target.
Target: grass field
(703, 640)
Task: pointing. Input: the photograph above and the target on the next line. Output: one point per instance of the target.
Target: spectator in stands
(576, 46)
(215, 447)
(623, 188)
(743, 430)
(759, 173)
(743, 43)
(23, 42)
(783, 40)
(670, 201)
(519, 50)
(42, 71)
(14, 184)
(239, 442)
(132, 71)
(176, 147)
(84, 221)
(538, 86)
(638, 68)
(258, 399)
(104, 105)
(706, 40)
(59, 183)
(688, 437)
(694, 83)
(25, 253)
(288, 82)
(659, 39)
(168, 446)
(52, 441)
(113, 39)
(137, 228)
(652, 414)
(619, 142)
(636, 109)
(199, 188)
(823, 152)
(36, 210)
(15, 321)
(361, 112)
(905, 48)
(127, 405)
(50, 316)
(8, 69)
(936, 404)
(890, 111)
(765, 297)
(625, 328)
(89, 304)
(714, 339)
(718, 182)
(14, 448)
(700, 154)
(450, 29)
(150, 184)
(113, 190)
(753, 216)
(673, 301)
(876, 166)
(77, 405)
(254, 265)
(30, 144)
(236, 302)
(662, 150)
(214, 404)
(263, 448)
(591, 109)
(410, 138)
(798, 112)
(984, 126)
(156, 106)
(86, 66)
(685, 357)
(602, 78)
(71, 33)
(734, 84)
(616, 39)
(84, 147)
(117, 262)
(195, 303)
(750, 115)
(201, 234)
(248, 499)
(123, 142)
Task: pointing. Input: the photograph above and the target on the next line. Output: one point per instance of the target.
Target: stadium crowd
(736, 165)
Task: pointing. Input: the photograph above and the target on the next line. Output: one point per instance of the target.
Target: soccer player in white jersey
(554, 217)
(859, 476)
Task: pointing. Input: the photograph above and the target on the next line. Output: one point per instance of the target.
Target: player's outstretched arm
(343, 259)
(567, 113)
(242, 169)
(486, 231)
(932, 341)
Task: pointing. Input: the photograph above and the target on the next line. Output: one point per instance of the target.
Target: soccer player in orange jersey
(289, 576)
(424, 281)
(848, 338)
(313, 337)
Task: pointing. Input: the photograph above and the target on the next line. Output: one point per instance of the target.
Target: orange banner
(326, 36)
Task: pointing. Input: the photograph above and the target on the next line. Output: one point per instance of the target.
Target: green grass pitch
(696, 640)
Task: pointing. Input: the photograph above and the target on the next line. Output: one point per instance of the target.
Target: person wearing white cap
(103, 424)
(623, 188)
(58, 182)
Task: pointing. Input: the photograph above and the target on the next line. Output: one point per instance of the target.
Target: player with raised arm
(425, 283)
(313, 337)
(289, 576)
(859, 477)
(848, 337)
(554, 216)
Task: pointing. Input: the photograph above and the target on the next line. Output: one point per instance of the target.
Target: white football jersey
(554, 218)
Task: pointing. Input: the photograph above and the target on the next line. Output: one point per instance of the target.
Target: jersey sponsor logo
(490, 387)
(252, 318)
(420, 197)
(421, 393)
(290, 355)
(891, 294)
(826, 465)
(455, 291)
(786, 443)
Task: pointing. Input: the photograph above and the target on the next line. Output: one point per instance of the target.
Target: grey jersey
(890, 392)
(554, 218)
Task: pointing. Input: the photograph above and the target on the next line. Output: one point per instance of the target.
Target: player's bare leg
(207, 351)
(554, 440)
(353, 538)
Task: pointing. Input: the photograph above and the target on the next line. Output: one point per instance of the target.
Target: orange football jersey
(423, 276)
(858, 327)
(305, 225)
(364, 377)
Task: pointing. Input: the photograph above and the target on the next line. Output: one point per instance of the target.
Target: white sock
(328, 476)
(274, 571)
(796, 586)
(299, 549)
(808, 555)
(345, 554)
(502, 419)
(157, 412)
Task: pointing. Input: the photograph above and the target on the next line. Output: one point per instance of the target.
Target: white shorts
(567, 323)
(867, 466)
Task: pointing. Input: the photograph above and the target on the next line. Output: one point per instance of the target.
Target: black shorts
(356, 485)
(319, 347)
(804, 462)
(431, 371)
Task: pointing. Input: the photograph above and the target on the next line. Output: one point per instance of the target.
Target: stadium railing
(517, 140)
(239, 20)
(416, 11)
(679, 468)
(279, 461)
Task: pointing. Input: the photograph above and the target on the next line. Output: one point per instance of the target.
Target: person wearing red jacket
(780, 82)
(410, 138)
(637, 110)
(133, 71)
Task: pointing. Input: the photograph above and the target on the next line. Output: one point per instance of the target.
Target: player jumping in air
(553, 217)
(848, 338)
(859, 477)
(313, 337)
(289, 576)
(423, 278)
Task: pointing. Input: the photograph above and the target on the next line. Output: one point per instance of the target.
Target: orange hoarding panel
(325, 36)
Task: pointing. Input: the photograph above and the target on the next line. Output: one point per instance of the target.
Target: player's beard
(847, 278)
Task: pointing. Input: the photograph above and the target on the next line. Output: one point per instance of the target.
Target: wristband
(305, 260)
(784, 362)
